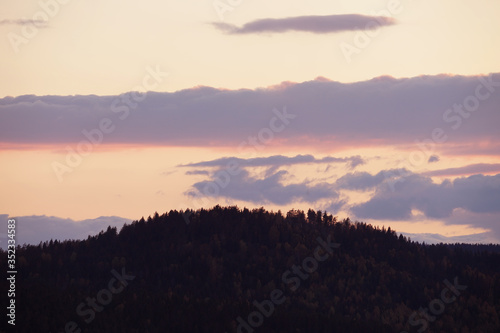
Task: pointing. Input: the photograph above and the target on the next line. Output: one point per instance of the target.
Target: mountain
(481, 238)
(237, 270)
(32, 230)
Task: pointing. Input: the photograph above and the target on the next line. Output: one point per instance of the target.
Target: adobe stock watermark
(248, 148)
(436, 306)
(121, 106)
(292, 278)
(454, 117)
(222, 6)
(87, 310)
(363, 38)
(30, 29)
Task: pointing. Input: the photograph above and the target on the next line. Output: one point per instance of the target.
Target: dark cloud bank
(375, 112)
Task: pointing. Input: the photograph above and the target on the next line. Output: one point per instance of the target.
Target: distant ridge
(481, 238)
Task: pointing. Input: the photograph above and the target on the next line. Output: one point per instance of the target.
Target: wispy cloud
(313, 24)
(277, 160)
(465, 170)
(433, 158)
(24, 22)
(197, 173)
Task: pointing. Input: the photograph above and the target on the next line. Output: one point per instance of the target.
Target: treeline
(205, 270)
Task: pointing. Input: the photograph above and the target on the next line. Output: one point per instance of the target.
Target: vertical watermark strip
(11, 271)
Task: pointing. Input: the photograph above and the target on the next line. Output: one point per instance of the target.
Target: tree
(311, 216)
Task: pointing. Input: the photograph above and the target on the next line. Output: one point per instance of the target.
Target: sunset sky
(383, 111)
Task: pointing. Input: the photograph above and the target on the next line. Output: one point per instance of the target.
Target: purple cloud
(276, 161)
(433, 158)
(465, 170)
(477, 194)
(197, 172)
(313, 24)
(269, 189)
(382, 111)
(363, 181)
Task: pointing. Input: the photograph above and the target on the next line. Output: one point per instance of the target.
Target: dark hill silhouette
(238, 270)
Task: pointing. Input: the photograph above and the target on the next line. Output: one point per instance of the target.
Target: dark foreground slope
(232, 270)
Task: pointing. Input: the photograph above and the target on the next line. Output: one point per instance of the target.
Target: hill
(234, 270)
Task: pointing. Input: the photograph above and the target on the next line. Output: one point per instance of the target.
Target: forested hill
(232, 270)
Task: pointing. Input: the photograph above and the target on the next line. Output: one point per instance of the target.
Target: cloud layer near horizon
(313, 24)
(476, 193)
(375, 112)
(395, 194)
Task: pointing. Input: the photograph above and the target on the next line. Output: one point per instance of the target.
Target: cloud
(465, 170)
(24, 22)
(382, 111)
(433, 158)
(396, 193)
(472, 148)
(197, 172)
(481, 220)
(312, 24)
(276, 161)
(268, 190)
(232, 180)
(336, 205)
(168, 173)
(476, 194)
(40, 228)
(362, 181)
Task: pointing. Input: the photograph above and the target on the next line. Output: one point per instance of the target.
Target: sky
(383, 111)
